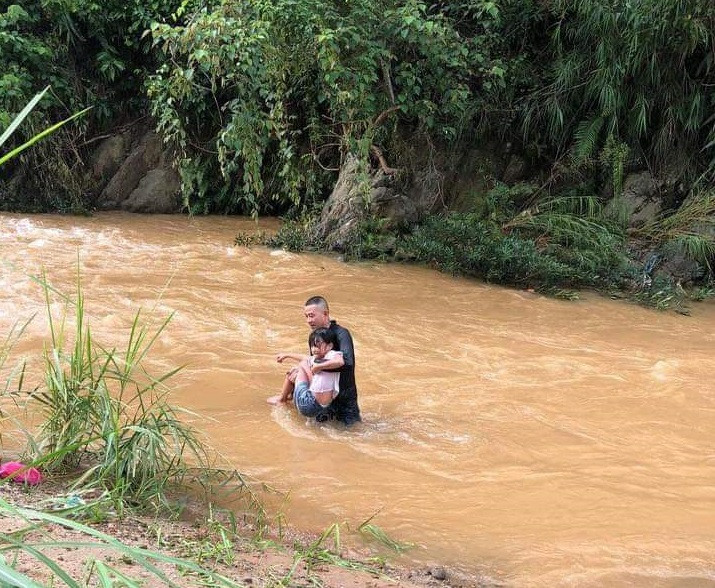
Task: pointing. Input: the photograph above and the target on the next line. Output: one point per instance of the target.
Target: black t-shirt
(345, 406)
(345, 345)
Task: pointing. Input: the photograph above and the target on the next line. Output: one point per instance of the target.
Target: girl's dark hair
(324, 335)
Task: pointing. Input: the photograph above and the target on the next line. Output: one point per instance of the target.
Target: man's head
(316, 312)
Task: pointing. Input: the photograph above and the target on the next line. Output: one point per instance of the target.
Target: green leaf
(20, 117)
(40, 136)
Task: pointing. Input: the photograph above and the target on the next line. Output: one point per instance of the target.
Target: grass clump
(294, 235)
(527, 253)
(103, 414)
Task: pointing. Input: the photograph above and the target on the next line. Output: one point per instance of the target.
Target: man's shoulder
(334, 326)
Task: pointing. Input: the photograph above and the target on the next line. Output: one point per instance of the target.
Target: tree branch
(375, 150)
(380, 118)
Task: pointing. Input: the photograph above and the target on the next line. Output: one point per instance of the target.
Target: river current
(536, 441)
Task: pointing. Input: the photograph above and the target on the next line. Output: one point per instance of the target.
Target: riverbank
(204, 547)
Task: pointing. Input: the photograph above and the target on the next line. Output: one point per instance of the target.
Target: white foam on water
(664, 369)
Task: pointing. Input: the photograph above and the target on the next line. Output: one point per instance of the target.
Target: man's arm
(345, 344)
(332, 363)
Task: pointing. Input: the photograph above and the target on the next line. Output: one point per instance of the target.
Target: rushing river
(540, 442)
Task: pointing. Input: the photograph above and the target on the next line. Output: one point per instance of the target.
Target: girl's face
(320, 348)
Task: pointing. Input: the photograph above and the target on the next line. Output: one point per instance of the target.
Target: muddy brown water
(540, 442)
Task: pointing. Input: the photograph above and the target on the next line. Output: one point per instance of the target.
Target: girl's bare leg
(287, 390)
(304, 372)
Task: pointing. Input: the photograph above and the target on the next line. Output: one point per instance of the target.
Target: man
(345, 406)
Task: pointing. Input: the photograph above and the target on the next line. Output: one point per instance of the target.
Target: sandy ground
(241, 557)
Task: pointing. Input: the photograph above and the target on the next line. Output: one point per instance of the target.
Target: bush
(466, 245)
(562, 242)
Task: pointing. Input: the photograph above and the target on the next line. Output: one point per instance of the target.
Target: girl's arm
(333, 362)
(281, 357)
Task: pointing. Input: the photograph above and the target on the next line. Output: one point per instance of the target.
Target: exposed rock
(426, 190)
(145, 181)
(641, 197)
(665, 261)
(471, 178)
(108, 158)
(157, 192)
(516, 170)
(680, 268)
(438, 573)
(357, 196)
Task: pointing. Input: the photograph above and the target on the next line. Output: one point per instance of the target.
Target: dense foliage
(92, 55)
(261, 99)
(638, 73)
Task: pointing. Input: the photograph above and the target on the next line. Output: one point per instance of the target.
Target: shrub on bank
(571, 241)
(467, 245)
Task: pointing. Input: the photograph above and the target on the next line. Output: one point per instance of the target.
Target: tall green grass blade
(108, 576)
(52, 565)
(14, 579)
(17, 121)
(41, 135)
(144, 558)
(379, 535)
(375, 532)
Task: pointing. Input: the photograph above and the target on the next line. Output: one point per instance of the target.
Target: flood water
(540, 442)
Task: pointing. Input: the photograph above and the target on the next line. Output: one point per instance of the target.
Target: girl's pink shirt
(324, 381)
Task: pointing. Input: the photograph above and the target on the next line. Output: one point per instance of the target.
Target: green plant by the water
(369, 529)
(546, 246)
(104, 412)
(39, 546)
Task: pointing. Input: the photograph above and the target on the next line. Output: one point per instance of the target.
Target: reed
(103, 412)
(21, 117)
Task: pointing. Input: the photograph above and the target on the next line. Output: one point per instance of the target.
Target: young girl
(315, 388)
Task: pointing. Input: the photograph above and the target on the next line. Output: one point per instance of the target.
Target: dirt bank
(222, 546)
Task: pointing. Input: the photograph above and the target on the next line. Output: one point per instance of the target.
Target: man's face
(316, 317)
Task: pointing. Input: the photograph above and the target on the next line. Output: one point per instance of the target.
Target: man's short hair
(317, 301)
